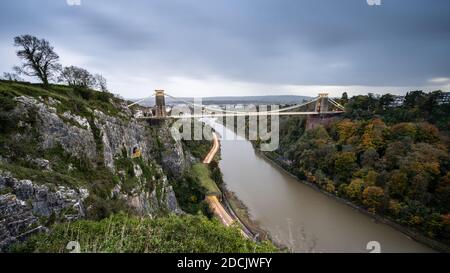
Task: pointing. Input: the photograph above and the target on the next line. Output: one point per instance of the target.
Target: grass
(124, 234)
(203, 174)
(75, 99)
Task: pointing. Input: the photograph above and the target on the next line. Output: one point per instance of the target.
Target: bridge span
(322, 104)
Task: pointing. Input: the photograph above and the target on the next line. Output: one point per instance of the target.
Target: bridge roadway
(243, 115)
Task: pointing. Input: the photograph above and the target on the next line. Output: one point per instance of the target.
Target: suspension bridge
(320, 105)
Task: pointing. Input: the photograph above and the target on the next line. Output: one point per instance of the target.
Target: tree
(76, 76)
(373, 197)
(371, 178)
(369, 158)
(355, 188)
(344, 98)
(415, 99)
(346, 129)
(345, 164)
(101, 83)
(385, 101)
(427, 132)
(398, 183)
(402, 130)
(373, 136)
(419, 187)
(11, 77)
(39, 58)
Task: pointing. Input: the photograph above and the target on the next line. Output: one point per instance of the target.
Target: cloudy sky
(242, 47)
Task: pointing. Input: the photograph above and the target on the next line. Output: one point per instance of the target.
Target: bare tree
(77, 76)
(101, 83)
(11, 77)
(40, 59)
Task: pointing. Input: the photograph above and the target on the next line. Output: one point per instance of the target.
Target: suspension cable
(240, 112)
(338, 105)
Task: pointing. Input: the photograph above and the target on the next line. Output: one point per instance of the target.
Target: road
(219, 211)
(215, 148)
(212, 200)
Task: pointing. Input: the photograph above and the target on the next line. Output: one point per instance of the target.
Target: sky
(242, 47)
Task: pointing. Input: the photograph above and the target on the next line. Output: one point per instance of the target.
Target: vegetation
(203, 174)
(19, 142)
(78, 100)
(418, 106)
(121, 233)
(39, 58)
(199, 180)
(393, 161)
(76, 76)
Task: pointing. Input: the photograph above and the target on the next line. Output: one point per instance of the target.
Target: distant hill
(282, 99)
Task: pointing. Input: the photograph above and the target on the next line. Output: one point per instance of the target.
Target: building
(444, 98)
(397, 101)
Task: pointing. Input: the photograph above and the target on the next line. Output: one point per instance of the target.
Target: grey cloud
(307, 42)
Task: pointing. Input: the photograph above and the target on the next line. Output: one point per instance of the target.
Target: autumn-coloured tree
(346, 129)
(373, 136)
(369, 158)
(355, 188)
(345, 164)
(398, 183)
(372, 197)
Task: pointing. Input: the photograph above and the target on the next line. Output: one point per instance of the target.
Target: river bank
(228, 208)
(240, 212)
(413, 234)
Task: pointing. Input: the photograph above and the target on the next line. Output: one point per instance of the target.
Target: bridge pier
(322, 106)
(313, 121)
(160, 104)
(322, 103)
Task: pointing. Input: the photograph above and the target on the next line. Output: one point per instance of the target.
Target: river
(295, 214)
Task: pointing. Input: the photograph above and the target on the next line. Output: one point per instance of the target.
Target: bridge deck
(246, 114)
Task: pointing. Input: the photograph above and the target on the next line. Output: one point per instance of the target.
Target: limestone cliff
(61, 161)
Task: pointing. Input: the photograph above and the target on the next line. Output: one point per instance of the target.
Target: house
(397, 102)
(444, 98)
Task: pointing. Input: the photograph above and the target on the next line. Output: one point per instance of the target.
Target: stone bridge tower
(160, 103)
(322, 117)
(322, 103)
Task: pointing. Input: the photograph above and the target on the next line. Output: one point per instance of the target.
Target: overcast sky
(242, 47)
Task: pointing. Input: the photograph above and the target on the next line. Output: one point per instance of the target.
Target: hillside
(391, 162)
(65, 156)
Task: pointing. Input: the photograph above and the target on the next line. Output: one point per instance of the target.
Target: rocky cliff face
(24, 206)
(76, 140)
(92, 138)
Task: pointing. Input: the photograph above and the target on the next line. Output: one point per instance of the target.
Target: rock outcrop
(174, 159)
(119, 135)
(75, 140)
(25, 203)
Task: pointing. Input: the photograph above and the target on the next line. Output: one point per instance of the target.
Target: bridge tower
(160, 104)
(322, 103)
